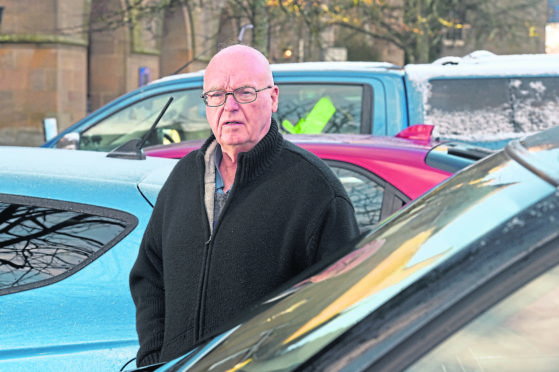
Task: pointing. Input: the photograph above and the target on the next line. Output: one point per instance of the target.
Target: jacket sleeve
(337, 228)
(146, 287)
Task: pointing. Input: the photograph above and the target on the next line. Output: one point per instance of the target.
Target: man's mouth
(232, 123)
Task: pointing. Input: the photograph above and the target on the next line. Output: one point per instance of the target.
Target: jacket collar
(254, 162)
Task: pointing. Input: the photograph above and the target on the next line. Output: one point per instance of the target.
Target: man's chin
(239, 144)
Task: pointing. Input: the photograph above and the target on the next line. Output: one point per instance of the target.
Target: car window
(184, 120)
(303, 108)
(44, 241)
(320, 108)
(372, 198)
(517, 334)
(464, 107)
(536, 103)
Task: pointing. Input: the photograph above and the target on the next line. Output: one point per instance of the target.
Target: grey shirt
(220, 197)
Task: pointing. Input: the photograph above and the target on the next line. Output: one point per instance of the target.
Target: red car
(380, 174)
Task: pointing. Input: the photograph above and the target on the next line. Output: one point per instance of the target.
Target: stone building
(51, 67)
(60, 59)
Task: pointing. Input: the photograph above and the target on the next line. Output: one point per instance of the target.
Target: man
(236, 219)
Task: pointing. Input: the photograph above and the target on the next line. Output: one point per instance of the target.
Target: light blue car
(481, 98)
(70, 227)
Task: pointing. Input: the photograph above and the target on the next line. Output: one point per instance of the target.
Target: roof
(312, 140)
(486, 64)
(334, 66)
(345, 66)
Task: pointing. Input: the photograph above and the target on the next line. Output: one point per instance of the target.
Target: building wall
(176, 41)
(116, 56)
(42, 68)
(50, 68)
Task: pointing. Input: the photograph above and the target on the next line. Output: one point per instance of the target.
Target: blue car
(316, 97)
(481, 98)
(464, 278)
(70, 227)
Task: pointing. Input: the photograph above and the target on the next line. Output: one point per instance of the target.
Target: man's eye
(215, 95)
(244, 92)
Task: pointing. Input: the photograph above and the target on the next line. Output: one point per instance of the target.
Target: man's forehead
(228, 82)
(232, 79)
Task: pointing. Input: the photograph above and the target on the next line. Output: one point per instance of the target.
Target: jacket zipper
(208, 245)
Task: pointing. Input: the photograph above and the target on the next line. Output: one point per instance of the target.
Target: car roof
(23, 168)
(379, 152)
(279, 69)
(329, 140)
(411, 165)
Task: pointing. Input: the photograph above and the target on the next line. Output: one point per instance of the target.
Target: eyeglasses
(216, 98)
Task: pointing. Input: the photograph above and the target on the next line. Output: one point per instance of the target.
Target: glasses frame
(204, 95)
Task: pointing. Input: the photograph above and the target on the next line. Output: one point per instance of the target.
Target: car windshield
(184, 120)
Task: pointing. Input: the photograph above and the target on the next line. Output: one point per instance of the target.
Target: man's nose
(230, 102)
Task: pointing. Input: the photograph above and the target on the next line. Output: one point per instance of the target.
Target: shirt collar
(219, 185)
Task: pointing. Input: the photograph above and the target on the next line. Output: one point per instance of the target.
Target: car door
(373, 198)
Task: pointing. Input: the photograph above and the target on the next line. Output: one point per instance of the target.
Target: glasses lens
(245, 94)
(215, 98)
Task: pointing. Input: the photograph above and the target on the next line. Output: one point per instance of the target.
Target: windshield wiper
(133, 149)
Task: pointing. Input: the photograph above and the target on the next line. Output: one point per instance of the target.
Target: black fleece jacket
(286, 211)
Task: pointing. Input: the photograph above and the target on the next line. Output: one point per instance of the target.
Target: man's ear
(275, 98)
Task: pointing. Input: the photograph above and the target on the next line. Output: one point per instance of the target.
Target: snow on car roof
(485, 64)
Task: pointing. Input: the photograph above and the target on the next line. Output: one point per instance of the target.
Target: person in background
(236, 219)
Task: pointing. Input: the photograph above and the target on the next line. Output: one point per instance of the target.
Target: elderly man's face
(239, 127)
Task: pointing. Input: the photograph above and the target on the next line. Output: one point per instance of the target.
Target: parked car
(482, 97)
(380, 173)
(315, 97)
(70, 228)
(464, 278)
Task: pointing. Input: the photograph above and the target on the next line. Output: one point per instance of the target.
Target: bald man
(236, 219)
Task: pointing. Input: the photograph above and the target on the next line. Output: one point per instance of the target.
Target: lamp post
(242, 32)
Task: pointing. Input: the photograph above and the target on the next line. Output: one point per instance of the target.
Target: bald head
(236, 60)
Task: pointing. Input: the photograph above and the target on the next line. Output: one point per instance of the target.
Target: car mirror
(70, 141)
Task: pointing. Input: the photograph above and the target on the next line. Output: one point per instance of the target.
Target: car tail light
(418, 132)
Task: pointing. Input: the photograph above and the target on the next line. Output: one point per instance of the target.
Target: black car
(465, 278)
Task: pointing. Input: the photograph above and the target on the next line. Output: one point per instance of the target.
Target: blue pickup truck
(482, 98)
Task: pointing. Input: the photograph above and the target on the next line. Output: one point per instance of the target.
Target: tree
(255, 13)
(415, 26)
